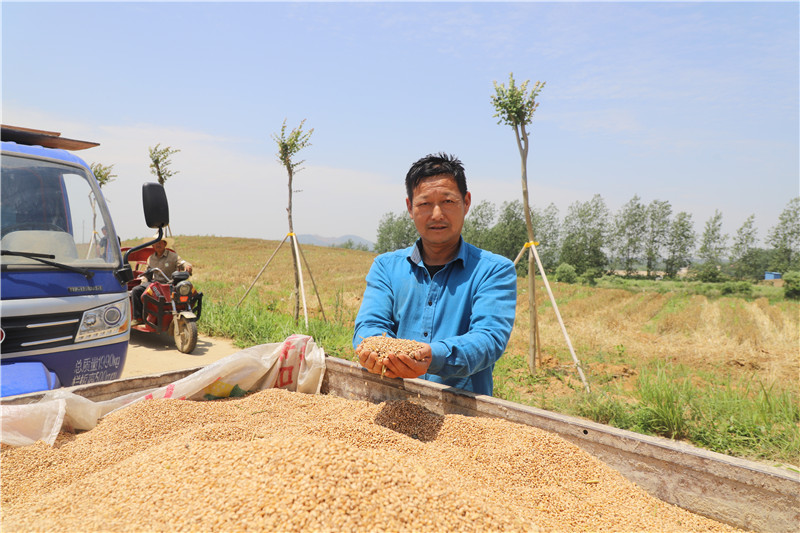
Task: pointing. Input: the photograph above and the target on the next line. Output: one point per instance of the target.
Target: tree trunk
(534, 354)
(294, 256)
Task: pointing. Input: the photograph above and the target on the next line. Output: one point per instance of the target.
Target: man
(168, 262)
(102, 245)
(458, 300)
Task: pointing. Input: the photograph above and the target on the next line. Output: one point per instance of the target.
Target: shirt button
(430, 303)
(425, 334)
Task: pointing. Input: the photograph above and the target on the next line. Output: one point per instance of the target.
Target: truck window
(53, 208)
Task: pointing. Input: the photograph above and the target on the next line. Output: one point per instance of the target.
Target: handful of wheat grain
(383, 345)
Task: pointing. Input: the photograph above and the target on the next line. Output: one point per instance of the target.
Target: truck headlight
(104, 321)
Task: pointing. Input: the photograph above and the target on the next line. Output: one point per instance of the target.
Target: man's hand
(396, 365)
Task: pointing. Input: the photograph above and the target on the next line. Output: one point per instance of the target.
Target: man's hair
(436, 165)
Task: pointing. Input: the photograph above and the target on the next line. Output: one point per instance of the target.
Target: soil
(151, 353)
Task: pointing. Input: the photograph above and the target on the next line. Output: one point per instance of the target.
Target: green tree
(630, 225)
(395, 232)
(507, 236)
(712, 248)
(791, 285)
(160, 162)
(680, 243)
(349, 244)
(288, 147)
(656, 233)
(547, 227)
(784, 238)
(478, 223)
(753, 264)
(103, 173)
(515, 106)
(713, 241)
(744, 242)
(585, 231)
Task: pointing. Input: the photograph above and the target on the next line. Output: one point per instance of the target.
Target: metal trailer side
(742, 493)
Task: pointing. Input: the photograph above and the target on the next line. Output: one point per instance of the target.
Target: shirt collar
(415, 253)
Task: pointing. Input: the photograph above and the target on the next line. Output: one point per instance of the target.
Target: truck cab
(64, 309)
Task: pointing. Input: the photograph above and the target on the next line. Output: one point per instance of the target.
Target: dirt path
(149, 353)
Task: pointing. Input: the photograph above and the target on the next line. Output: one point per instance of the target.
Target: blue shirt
(465, 312)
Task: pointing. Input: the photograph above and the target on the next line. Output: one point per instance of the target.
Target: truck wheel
(185, 335)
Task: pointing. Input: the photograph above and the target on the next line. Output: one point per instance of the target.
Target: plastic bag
(296, 364)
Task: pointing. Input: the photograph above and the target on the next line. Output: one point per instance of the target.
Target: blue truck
(64, 307)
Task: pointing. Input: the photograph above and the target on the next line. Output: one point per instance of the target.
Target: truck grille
(43, 331)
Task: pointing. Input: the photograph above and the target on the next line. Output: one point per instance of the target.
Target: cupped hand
(369, 360)
(397, 365)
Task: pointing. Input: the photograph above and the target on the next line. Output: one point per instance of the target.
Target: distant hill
(318, 240)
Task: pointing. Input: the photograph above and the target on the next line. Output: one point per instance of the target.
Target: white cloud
(219, 189)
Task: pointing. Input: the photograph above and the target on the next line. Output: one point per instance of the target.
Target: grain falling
(286, 461)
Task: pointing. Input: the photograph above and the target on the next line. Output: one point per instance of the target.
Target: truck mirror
(156, 207)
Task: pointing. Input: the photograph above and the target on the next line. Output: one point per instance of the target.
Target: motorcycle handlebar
(153, 270)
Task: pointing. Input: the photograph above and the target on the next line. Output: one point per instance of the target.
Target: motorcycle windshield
(55, 209)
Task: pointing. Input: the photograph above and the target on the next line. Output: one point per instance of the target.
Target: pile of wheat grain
(285, 461)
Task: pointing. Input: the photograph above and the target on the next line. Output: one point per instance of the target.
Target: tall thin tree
(160, 163)
(656, 233)
(712, 248)
(288, 146)
(103, 173)
(744, 243)
(784, 237)
(680, 244)
(515, 106)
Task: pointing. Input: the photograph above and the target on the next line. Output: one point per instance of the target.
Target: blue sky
(694, 103)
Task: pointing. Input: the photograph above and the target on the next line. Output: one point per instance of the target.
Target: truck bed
(742, 493)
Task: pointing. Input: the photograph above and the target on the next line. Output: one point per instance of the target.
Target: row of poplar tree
(639, 237)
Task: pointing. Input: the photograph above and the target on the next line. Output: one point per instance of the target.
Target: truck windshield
(54, 209)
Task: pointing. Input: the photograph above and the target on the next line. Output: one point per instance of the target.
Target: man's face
(438, 210)
(159, 247)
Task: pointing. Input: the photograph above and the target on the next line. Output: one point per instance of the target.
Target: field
(719, 371)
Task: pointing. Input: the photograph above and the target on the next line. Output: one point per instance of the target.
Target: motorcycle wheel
(185, 335)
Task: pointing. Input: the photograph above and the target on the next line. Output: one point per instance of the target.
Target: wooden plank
(47, 139)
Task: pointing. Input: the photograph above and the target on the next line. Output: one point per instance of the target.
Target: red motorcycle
(169, 305)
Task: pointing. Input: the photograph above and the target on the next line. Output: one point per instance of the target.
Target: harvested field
(284, 461)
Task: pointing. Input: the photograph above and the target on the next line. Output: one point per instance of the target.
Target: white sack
(26, 424)
(296, 364)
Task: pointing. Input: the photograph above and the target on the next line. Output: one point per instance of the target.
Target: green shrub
(565, 273)
(591, 276)
(709, 273)
(739, 287)
(791, 285)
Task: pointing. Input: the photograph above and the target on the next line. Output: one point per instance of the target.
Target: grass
(742, 289)
(719, 371)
